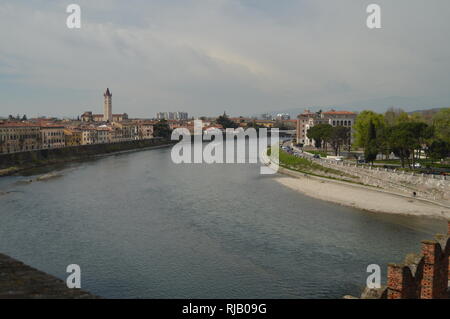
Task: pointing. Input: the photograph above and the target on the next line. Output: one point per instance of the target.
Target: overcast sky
(209, 56)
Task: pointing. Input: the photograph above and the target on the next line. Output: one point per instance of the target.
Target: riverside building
(308, 119)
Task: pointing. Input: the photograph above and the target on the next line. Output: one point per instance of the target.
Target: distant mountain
(428, 111)
(408, 104)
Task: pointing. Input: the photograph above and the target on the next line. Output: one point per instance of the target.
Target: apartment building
(72, 137)
(309, 119)
(178, 116)
(19, 137)
(145, 130)
(283, 117)
(88, 135)
(87, 117)
(52, 136)
(103, 134)
(27, 136)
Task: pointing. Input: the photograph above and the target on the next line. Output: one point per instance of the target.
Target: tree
(371, 147)
(403, 117)
(439, 150)
(225, 121)
(393, 116)
(405, 139)
(362, 126)
(24, 117)
(421, 132)
(417, 117)
(371, 152)
(162, 129)
(339, 136)
(320, 133)
(441, 123)
(399, 141)
(314, 134)
(382, 141)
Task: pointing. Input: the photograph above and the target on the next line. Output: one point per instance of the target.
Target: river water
(140, 226)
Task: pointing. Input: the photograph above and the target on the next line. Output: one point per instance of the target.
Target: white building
(283, 117)
(172, 116)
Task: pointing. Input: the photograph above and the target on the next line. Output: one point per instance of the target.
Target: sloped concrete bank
(19, 281)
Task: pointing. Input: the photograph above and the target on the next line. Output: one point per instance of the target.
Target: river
(141, 226)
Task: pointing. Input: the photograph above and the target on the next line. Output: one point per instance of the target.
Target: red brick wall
(431, 278)
(401, 283)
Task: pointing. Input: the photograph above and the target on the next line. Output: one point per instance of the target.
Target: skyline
(244, 57)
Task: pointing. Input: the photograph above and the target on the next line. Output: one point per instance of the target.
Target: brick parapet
(426, 277)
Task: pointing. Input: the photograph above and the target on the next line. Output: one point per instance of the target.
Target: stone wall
(431, 187)
(43, 157)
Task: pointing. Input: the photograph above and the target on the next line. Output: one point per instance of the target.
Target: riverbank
(19, 281)
(347, 192)
(361, 197)
(11, 164)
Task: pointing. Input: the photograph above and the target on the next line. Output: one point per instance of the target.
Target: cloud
(204, 57)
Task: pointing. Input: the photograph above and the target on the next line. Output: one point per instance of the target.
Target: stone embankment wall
(43, 157)
(431, 187)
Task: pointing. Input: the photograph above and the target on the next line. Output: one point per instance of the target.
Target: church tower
(107, 107)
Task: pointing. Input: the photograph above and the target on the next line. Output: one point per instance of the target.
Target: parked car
(316, 156)
(417, 165)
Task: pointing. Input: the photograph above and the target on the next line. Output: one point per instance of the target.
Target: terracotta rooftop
(50, 125)
(19, 124)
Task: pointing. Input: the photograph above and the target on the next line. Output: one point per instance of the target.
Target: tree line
(335, 136)
(407, 136)
(17, 118)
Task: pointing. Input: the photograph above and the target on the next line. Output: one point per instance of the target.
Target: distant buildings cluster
(37, 134)
(177, 116)
(266, 116)
(283, 117)
(19, 135)
(278, 117)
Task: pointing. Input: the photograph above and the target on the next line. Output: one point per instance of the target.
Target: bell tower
(107, 106)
